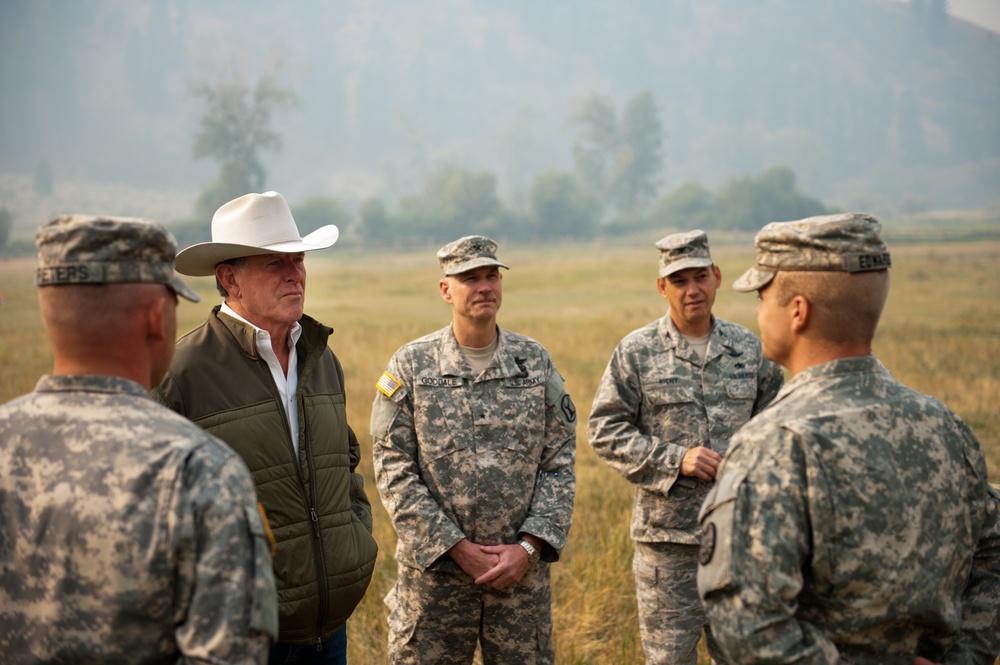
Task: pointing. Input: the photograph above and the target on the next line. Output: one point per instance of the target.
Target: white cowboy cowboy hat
(250, 225)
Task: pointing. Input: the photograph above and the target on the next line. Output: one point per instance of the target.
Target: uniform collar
(452, 362)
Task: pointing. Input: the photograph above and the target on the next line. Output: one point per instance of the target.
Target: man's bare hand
(512, 565)
(701, 463)
(472, 559)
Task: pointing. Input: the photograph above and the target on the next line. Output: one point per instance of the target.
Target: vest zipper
(321, 582)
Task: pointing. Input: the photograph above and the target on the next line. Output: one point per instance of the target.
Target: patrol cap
(846, 242)
(468, 253)
(680, 251)
(83, 249)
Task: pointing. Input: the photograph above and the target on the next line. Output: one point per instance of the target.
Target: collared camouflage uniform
(852, 522)
(654, 403)
(128, 535)
(487, 458)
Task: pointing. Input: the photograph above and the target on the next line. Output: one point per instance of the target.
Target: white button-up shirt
(287, 385)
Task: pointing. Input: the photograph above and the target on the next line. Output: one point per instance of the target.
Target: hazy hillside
(866, 101)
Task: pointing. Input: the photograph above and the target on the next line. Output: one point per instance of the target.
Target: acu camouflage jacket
(483, 457)
(656, 401)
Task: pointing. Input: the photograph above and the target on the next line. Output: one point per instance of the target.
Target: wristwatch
(533, 554)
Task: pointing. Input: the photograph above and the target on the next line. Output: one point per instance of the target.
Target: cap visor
(753, 280)
(472, 265)
(684, 264)
(183, 290)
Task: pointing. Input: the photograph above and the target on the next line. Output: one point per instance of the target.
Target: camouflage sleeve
(980, 641)
(770, 378)
(614, 431)
(754, 545)
(226, 610)
(551, 509)
(416, 515)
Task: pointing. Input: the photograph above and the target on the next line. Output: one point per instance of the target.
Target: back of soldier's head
(91, 269)
(839, 263)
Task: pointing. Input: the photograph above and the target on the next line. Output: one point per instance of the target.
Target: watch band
(533, 554)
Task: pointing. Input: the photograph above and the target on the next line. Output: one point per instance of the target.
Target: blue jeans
(334, 652)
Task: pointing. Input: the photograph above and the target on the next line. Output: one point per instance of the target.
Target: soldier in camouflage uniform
(852, 520)
(474, 446)
(128, 535)
(671, 397)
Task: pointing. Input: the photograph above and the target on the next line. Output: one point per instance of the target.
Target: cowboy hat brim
(200, 260)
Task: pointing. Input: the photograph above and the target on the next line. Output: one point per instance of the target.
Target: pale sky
(985, 13)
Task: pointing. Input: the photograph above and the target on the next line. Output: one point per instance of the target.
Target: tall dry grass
(940, 334)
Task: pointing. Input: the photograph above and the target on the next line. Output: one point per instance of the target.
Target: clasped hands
(499, 566)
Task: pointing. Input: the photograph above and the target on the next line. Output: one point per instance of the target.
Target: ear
(444, 286)
(718, 276)
(155, 320)
(799, 313)
(226, 274)
(661, 286)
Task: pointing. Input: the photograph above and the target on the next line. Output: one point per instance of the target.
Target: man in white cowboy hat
(259, 375)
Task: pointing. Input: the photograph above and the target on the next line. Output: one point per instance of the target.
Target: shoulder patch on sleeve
(556, 395)
(387, 385)
(569, 410)
(715, 552)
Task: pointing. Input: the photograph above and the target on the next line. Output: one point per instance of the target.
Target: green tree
(689, 206)
(748, 202)
(559, 207)
(595, 149)
(639, 163)
(6, 223)
(234, 129)
(619, 161)
(454, 202)
(319, 211)
(374, 222)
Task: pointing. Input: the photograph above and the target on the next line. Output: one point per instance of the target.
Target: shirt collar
(293, 333)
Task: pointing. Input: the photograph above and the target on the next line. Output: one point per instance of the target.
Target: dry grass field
(940, 334)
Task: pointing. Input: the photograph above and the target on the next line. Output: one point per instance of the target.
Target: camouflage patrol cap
(468, 253)
(82, 249)
(846, 242)
(680, 251)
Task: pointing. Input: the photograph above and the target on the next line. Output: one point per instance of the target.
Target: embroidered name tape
(387, 385)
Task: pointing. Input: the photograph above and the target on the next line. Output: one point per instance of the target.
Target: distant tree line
(613, 188)
(456, 202)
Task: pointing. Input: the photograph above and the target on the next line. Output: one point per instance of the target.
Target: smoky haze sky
(863, 101)
(984, 13)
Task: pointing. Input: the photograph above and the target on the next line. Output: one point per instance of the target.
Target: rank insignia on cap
(387, 385)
